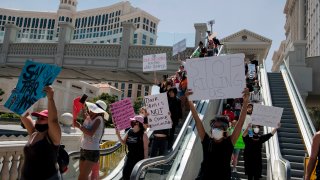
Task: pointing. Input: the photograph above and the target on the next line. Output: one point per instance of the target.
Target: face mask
(41, 127)
(256, 130)
(217, 134)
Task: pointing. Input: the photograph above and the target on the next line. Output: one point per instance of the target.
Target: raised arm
(199, 125)
(122, 140)
(54, 129)
(313, 155)
(145, 145)
(92, 131)
(243, 113)
(28, 123)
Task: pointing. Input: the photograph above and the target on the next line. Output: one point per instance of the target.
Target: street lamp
(211, 23)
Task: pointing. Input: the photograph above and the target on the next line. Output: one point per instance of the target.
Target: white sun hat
(98, 107)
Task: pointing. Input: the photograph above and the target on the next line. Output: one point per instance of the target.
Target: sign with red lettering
(121, 112)
(159, 113)
(217, 77)
(154, 62)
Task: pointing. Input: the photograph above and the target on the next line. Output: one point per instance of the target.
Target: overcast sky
(177, 17)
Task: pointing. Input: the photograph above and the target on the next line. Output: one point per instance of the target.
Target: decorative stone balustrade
(11, 157)
(43, 49)
(93, 50)
(137, 52)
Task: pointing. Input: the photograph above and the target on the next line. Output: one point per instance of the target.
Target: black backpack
(62, 158)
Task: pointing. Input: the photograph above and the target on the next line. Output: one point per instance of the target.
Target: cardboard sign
(179, 47)
(158, 109)
(266, 115)
(154, 62)
(33, 78)
(217, 77)
(121, 112)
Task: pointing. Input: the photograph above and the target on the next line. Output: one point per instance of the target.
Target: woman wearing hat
(41, 150)
(218, 147)
(137, 141)
(93, 130)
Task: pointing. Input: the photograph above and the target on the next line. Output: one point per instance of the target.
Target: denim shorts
(89, 155)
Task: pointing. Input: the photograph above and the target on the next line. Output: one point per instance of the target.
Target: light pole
(211, 23)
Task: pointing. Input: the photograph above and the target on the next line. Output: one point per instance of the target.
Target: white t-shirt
(246, 122)
(255, 97)
(92, 142)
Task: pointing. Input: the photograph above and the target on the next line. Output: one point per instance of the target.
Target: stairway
(290, 140)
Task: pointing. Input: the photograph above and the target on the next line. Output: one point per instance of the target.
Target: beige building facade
(100, 25)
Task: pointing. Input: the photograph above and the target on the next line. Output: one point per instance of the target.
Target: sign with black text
(266, 115)
(33, 78)
(159, 113)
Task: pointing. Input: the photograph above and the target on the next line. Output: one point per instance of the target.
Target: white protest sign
(252, 67)
(155, 62)
(266, 115)
(179, 47)
(158, 109)
(217, 77)
(155, 90)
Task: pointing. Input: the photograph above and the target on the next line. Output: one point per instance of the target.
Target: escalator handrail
(273, 144)
(303, 118)
(143, 164)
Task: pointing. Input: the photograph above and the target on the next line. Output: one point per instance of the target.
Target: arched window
(69, 2)
(67, 19)
(65, 1)
(62, 19)
(73, 4)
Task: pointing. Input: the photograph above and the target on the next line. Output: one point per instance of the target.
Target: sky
(177, 17)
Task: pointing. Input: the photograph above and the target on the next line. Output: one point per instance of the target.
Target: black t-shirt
(216, 159)
(135, 145)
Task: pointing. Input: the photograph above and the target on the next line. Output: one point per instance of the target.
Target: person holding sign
(93, 130)
(252, 151)
(41, 150)
(218, 148)
(137, 142)
(315, 154)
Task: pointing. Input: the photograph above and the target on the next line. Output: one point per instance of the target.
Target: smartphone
(83, 98)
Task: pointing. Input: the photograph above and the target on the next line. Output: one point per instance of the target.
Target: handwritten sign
(179, 47)
(155, 62)
(217, 77)
(251, 68)
(158, 109)
(266, 115)
(33, 78)
(121, 112)
(155, 90)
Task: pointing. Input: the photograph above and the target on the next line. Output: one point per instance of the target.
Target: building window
(151, 41)
(144, 39)
(139, 90)
(115, 40)
(129, 90)
(123, 85)
(116, 85)
(146, 90)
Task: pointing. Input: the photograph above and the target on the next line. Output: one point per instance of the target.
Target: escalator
(291, 142)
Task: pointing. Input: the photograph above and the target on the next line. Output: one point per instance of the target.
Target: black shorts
(89, 155)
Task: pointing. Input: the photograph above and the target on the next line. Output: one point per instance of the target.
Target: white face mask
(217, 134)
(256, 130)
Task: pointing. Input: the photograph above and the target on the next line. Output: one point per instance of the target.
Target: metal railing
(305, 123)
(279, 166)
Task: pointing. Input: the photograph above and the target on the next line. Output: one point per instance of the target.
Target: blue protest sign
(33, 78)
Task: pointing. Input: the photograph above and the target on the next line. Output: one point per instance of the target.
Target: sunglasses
(133, 123)
(41, 118)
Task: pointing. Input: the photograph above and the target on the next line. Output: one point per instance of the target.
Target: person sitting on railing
(218, 148)
(315, 154)
(93, 130)
(137, 142)
(253, 141)
(41, 150)
(216, 45)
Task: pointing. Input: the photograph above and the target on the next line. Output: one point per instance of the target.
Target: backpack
(62, 157)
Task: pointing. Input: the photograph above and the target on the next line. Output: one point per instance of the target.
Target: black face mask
(41, 127)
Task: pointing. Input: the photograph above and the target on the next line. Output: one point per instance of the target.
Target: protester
(143, 112)
(93, 130)
(237, 147)
(160, 142)
(218, 148)
(228, 112)
(253, 150)
(41, 150)
(137, 142)
(248, 119)
(203, 50)
(255, 96)
(237, 105)
(315, 154)
(176, 112)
